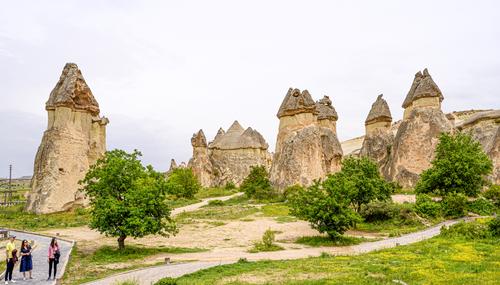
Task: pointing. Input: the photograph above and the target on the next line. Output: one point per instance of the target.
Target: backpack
(57, 255)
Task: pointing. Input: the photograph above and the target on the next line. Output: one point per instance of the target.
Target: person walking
(10, 250)
(54, 255)
(26, 260)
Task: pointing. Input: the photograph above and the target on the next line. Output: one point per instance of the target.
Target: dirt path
(150, 275)
(193, 207)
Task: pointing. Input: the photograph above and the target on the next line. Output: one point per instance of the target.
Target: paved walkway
(40, 265)
(150, 275)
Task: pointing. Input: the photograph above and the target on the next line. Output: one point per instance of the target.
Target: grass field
(107, 260)
(435, 261)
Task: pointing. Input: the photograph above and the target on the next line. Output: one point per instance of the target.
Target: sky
(161, 70)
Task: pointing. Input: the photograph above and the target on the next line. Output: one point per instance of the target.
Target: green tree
(460, 166)
(182, 183)
(324, 207)
(126, 198)
(360, 181)
(257, 184)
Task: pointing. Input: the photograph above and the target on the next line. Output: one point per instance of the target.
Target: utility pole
(10, 183)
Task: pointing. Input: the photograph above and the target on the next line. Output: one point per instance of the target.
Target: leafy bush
(460, 166)
(215, 203)
(471, 230)
(230, 185)
(455, 205)
(325, 208)
(426, 207)
(493, 194)
(257, 185)
(481, 206)
(378, 211)
(182, 183)
(167, 281)
(494, 227)
(291, 190)
(267, 243)
(359, 180)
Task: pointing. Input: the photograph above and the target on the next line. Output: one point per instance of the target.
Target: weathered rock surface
(379, 138)
(485, 128)
(230, 155)
(75, 138)
(418, 134)
(307, 147)
(200, 162)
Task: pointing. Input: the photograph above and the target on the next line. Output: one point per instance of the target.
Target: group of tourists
(24, 254)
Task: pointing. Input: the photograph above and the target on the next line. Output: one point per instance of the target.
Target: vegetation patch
(317, 241)
(215, 192)
(267, 243)
(84, 267)
(217, 213)
(439, 260)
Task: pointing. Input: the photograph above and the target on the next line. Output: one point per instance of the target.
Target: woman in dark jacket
(26, 260)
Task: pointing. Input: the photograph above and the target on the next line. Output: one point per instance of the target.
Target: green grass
(217, 213)
(393, 227)
(317, 241)
(15, 217)
(435, 261)
(85, 267)
(175, 202)
(275, 210)
(214, 192)
(260, 247)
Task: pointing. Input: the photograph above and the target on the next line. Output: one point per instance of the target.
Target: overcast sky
(161, 70)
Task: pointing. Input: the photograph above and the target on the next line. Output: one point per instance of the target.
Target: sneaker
(6, 282)
(13, 281)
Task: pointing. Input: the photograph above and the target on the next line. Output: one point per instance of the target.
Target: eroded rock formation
(418, 134)
(485, 128)
(75, 138)
(200, 162)
(229, 156)
(307, 147)
(378, 138)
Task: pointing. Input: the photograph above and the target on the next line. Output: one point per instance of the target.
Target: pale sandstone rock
(230, 156)
(75, 138)
(307, 147)
(200, 162)
(379, 138)
(418, 134)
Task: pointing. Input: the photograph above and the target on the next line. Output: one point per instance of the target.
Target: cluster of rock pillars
(307, 147)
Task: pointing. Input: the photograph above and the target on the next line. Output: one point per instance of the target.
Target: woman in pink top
(54, 255)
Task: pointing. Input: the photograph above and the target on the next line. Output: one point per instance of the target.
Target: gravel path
(150, 275)
(40, 265)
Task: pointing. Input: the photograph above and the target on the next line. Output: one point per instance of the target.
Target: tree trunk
(121, 242)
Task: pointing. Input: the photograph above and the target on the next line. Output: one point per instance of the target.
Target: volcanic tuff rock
(200, 162)
(231, 154)
(75, 138)
(379, 138)
(485, 128)
(418, 134)
(307, 147)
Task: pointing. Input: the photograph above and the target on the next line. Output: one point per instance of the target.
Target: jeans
(52, 264)
(10, 268)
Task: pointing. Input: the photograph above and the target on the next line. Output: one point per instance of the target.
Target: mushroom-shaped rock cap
(423, 86)
(238, 138)
(199, 140)
(72, 91)
(326, 110)
(296, 102)
(379, 112)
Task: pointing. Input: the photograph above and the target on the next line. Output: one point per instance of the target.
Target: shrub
(471, 230)
(360, 181)
(460, 166)
(215, 203)
(481, 206)
(291, 190)
(493, 194)
(325, 208)
(167, 281)
(455, 205)
(267, 243)
(494, 226)
(257, 185)
(230, 185)
(378, 211)
(182, 183)
(426, 207)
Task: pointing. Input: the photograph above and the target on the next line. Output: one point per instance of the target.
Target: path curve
(204, 202)
(40, 265)
(150, 275)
